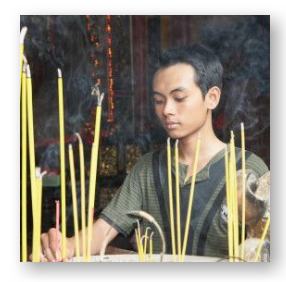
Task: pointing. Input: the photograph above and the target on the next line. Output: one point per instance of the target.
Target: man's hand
(51, 246)
(102, 232)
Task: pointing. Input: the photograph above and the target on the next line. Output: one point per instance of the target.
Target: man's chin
(174, 135)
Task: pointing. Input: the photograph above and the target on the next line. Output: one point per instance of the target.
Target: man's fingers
(47, 252)
(49, 255)
(45, 241)
(43, 258)
(55, 242)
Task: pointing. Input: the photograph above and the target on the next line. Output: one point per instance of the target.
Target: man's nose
(169, 108)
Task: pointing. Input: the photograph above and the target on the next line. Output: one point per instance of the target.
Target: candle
(74, 200)
(24, 165)
(62, 160)
(171, 204)
(93, 171)
(82, 192)
(191, 196)
(243, 191)
(31, 136)
(178, 208)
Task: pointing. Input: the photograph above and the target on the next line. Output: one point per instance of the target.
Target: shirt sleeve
(128, 198)
(256, 164)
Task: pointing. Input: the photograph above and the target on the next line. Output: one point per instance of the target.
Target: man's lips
(171, 125)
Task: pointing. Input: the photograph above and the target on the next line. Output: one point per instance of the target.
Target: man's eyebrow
(178, 89)
(172, 91)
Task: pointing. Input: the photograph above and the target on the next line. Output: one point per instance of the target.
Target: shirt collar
(202, 175)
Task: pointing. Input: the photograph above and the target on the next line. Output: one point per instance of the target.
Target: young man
(186, 89)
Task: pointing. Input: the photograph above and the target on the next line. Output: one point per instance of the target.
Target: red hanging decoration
(110, 96)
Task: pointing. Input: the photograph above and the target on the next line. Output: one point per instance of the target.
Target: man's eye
(180, 99)
(158, 102)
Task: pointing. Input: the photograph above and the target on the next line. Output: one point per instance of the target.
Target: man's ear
(212, 97)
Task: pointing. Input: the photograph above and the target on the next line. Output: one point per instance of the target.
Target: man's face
(179, 103)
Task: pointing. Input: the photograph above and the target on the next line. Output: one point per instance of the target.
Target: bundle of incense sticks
(27, 128)
(180, 248)
(86, 235)
(232, 204)
(232, 199)
(142, 244)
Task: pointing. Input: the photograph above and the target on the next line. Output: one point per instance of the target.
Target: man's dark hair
(208, 68)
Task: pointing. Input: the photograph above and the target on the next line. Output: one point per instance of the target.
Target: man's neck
(210, 145)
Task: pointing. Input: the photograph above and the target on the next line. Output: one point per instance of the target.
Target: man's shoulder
(144, 159)
(147, 157)
(145, 162)
(255, 163)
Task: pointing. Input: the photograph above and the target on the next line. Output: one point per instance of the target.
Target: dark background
(79, 46)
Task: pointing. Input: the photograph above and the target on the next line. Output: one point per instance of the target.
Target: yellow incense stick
(93, 172)
(265, 230)
(171, 204)
(91, 199)
(137, 242)
(35, 220)
(74, 200)
(234, 197)
(231, 184)
(140, 246)
(38, 216)
(139, 234)
(62, 161)
(140, 242)
(146, 240)
(22, 39)
(31, 140)
(231, 198)
(24, 165)
(190, 204)
(82, 195)
(151, 246)
(178, 207)
(229, 209)
(243, 207)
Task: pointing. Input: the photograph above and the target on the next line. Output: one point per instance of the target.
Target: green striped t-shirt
(138, 192)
